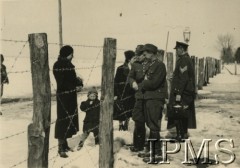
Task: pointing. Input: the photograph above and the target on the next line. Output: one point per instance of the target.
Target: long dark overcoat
(67, 110)
(183, 84)
(124, 104)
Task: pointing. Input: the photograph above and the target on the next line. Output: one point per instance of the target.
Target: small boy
(91, 121)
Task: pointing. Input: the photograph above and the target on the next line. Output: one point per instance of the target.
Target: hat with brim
(150, 48)
(181, 45)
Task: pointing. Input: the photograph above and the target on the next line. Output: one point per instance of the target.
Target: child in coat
(91, 121)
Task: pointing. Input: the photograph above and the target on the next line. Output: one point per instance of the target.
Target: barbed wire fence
(70, 117)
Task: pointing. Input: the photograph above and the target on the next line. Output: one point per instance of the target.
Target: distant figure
(4, 77)
(124, 93)
(67, 110)
(91, 121)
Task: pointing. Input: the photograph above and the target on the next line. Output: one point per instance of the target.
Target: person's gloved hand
(135, 86)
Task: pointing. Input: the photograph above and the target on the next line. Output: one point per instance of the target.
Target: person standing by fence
(91, 121)
(182, 92)
(67, 110)
(4, 77)
(135, 78)
(123, 93)
(154, 92)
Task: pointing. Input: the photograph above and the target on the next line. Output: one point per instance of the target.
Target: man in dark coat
(67, 110)
(183, 91)
(123, 93)
(154, 93)
(135, 78)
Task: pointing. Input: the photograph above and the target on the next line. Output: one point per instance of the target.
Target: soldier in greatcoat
(183, 91)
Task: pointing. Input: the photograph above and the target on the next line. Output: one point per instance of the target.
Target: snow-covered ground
(217, 117)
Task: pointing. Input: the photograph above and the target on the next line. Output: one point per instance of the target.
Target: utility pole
(165, 53)
(60, 23)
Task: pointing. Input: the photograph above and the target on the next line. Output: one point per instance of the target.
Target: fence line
(16, 58)
(52, 43)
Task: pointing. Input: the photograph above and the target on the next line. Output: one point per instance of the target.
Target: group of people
(140, 92)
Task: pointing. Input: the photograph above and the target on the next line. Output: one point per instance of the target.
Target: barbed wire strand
(16, 58)
(19, 163)
(93, 66)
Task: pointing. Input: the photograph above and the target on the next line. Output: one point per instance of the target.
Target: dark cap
(2, 58)
(150, 48)
(66, 51)
(138, 50)
(129, 54)
(181, 44)
(93, 90)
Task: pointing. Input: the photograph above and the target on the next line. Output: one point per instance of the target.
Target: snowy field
(21, 80)
(217, 116)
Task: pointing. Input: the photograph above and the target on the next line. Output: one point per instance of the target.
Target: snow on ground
(217, 117)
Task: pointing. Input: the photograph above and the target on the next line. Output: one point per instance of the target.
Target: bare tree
(225, 41)
(225, 45)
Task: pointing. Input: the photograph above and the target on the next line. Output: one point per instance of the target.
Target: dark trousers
(181, 126)
(153, 113)
(139, 135)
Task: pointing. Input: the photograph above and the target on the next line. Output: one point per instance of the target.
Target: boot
(180, 132)
(66, 147)
(80, 145)
(62, 152)
(121, 127)
(157, 159)
(125, 125)
(96, 141)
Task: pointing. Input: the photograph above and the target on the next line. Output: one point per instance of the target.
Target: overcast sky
(142, 21)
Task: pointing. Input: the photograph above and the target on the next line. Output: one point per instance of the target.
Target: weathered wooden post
(107, 99)
(220, 66)
(235, 68)
(38, 131)
(206, 76)
(201, 73)
(169, 71)
(196, 76)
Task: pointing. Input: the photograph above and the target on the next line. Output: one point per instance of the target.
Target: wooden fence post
(169, 71)
(206, 71)
(107, 99)
(196, 76)
(201, 73)
(235, 68)
(38, 131)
